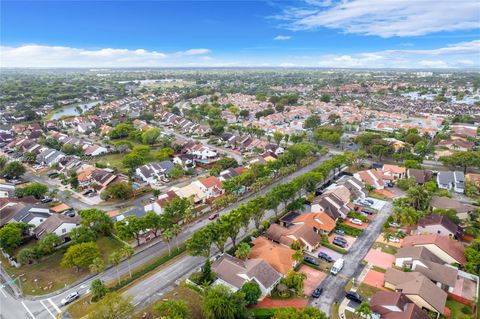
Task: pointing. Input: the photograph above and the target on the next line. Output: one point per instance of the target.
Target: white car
(394, 239)
(69, 298)
(396, 225)
(356, 221)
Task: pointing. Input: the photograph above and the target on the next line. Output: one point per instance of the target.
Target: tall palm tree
(97, 266)
(176, 230)
(167, 236)
(115, 259)
(126, 252)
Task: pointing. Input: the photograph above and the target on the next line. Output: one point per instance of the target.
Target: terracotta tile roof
(276, 255)
(210, 182)
(316, 220)
(60, 208)
(394, 169)
(451, 247)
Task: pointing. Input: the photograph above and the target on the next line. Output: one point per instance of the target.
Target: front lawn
(262, 313)
(113, 161)
(47, 275)
(388, 249)
(459, 310)
(366, 291)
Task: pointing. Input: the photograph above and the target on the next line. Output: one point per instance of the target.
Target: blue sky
(322, 33)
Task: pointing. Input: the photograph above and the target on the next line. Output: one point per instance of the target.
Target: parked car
(325, 257)
(354, 296)
(394, 239)
(340, 243)
(52, 174)
(311, 260)
(213, 216)
(46, 200)
(340, 239)
(370, 201)
(356, 221)
(317, 292)
(69, 298)
(364, 203)
(152, 199)
(69, 213)
(396, 225)
(339, 232)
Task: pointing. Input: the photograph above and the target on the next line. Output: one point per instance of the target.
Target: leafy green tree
(130, 228)
(328, 133)
(164, 154)
(242, 251)
(150, 136)
(132, 160)
(277, 136)
(114, 259)
(98, 289)
(154, 222)
(472, 254)
(48, 243)
(29, 157)
(82, 234)
(419, 197)
(294, 280)
(126, 252)
(118, 190)
(406, 183)
(174, 309)
(97, 220)
(11, 236)
(80, 256)
(462, 159)
(112, 306)
(325, 98)
(200, 243)
(219, 302)
(27, 255)
(313, 121)
(3, 162)
(364, 310)
(232, 225)
(244, 114)
(13, 169)
(121, 130)
(252, 292)
(35, 189)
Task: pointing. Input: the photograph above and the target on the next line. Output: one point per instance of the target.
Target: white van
(337, 266)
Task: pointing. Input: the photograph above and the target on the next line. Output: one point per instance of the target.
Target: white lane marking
(28, 310)
(54, 305)
(51, 313)
(3, 292)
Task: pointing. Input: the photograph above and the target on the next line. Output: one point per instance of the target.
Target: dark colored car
(317, 292)
(340, 239)
(340, 243)
(325, 257)
(311, 260)
(339, 232)
(354, 296)
(52, 174)
(213, 216)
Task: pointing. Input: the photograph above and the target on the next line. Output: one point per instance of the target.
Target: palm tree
(176, 230)
(114, 259)
(298, 255)
(127, 252)
(187, 216)
(364, 310)
(167, 236)
(97, 266)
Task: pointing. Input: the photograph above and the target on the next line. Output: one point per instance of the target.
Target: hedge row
(335, 248)
(349, 230)
(160, 261)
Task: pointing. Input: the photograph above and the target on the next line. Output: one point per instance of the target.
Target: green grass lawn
(262, 313)
(366, 291)
(113, 161)
(456, 309)
(377, 196)
(351, 315)
(389, 249)
(376, 268)
(49, 275)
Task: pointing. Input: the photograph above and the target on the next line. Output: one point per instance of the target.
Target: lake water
(71, 110)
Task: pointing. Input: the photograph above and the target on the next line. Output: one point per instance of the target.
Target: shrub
(349, 230)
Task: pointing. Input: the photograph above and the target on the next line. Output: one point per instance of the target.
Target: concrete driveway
(313, 280)
(335, 285)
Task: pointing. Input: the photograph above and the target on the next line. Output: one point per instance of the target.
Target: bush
(466, 310)
(349, 230)
(358, 215)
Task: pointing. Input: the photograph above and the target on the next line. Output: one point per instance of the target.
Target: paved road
(334, 286)
(17, 308)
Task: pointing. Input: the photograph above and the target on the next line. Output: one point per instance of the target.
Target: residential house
(9, 207)
(58, 224)
(302, 233)
(418, 288)
(393, 172)
(34, 214)
(371, 177)
(457, 144)
(211, 186)
(451, 180)
(49, 157)
(447, 249)
(234, 273)
(463, 210)
(278, 256)
(395, 305)
(94, 150)
(421, 176)
(161, 202)
(153, 172)
(321, 223)
(190, 191)
(438, 224)
(331, 204)
(355, 186)
(187, 161)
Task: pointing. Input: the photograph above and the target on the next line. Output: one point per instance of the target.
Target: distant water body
(71, 110)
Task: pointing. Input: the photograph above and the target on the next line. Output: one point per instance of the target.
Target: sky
(249, 33)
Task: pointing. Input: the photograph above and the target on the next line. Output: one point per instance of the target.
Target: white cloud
(58, 56)
(385, 18)
(453, 56)
(282, 37)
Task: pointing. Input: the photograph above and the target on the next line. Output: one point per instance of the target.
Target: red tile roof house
(211, 186)
(395, 305)
(304, 234)
(393, 171)
(161, 202)
(371, 177)
(448, 250)
(234, 273)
